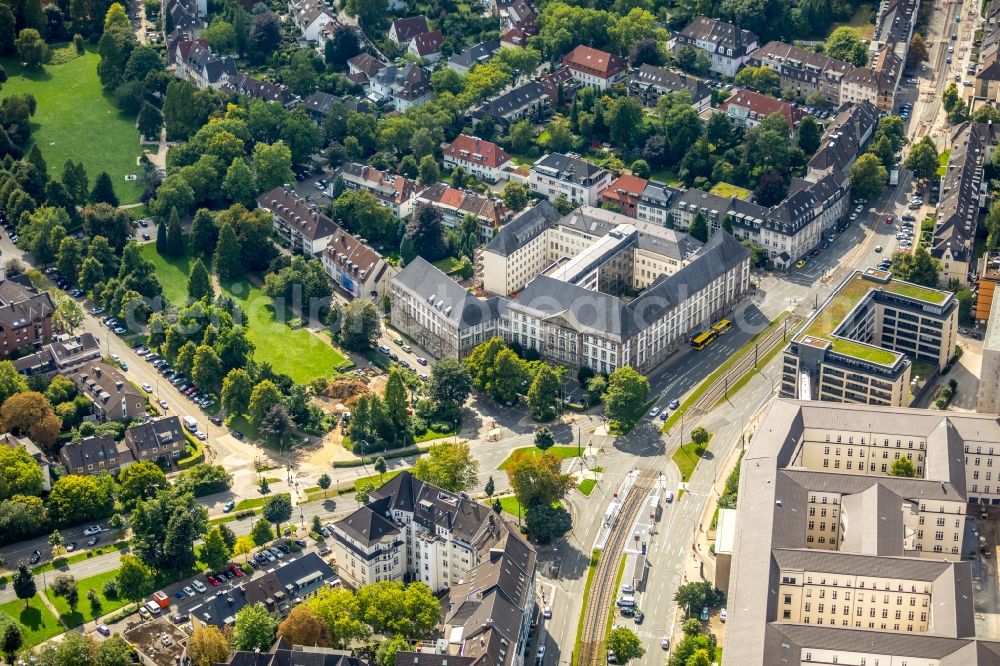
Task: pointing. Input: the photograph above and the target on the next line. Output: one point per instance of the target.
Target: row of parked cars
(183, 384)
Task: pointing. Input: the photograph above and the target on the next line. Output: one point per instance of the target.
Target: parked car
(188, 591)
(93, 540)
(198, 585)
(228, 506)
(71, 546)
(103, 630)
(93, 529)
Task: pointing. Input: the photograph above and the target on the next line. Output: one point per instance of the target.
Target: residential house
(96, 455)
(843, 141)
(595, 68)
(62, 356)
(394, 192)
(560, 85)
(313, 18)
(362, 67)
(25, 316)
(625, 193)
(876, 84)
(474, 55)
(282, 587)
(283, 653)
(530, 101)
(581, 182)
(159, 439)
(356, 268)
(403, 30)
(13, 441)
(427, 45)
(441, 315)
(113, 396)
(483, 159)
(517, 23)
(649, 83)
(202, 67)
(655, 203)
(180, 49)
(987, 82)
(803, 70)
(894, 26)
(296, 220)
(266, 91)
(748, 108)
(318, 105)
(455, 205)
(402, 87)
(726, 46)
(963, 195)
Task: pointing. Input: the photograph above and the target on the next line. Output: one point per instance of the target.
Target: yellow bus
(702, 340)
(723, 326)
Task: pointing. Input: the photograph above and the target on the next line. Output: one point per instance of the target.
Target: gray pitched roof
(524, 228)
(452, 299)
(474, 55)
(569, 168)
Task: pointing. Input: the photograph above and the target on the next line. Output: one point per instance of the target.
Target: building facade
(356, 268)
(595, 68)
(297, 221)
(556, 175)
(726, 46)
(483, 159)
(394, 192)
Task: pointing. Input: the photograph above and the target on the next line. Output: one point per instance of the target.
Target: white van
(190, 423)
(626, 601)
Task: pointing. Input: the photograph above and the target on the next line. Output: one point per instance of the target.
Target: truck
(161, 599)
(190, 423)
(894, 177)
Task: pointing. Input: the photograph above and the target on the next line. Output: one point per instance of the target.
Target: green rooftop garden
(846, 299)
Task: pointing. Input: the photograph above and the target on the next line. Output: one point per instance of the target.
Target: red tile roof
(428, 43)
(473, 149)
(594, 61)
(763, 106)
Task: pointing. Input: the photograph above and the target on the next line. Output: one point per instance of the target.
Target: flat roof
(842, 302)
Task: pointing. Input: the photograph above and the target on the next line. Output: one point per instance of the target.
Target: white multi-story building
(297, 221)
(556, 175)
(482, 159)
(841, 563)
(393, 191)
(726, 46)
(595, 68)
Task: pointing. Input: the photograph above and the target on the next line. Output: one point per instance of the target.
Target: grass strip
(255, 502)
(587, 486)
(687, 457)
(595, 557)
(562, 452)
(720, 371)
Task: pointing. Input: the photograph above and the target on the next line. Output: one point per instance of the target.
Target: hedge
(197, 457)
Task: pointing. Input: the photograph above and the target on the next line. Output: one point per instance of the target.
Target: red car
(213, 581)
(236, 570)
(890, 219)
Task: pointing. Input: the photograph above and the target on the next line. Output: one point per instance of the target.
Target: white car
(723, 615)
(654, 411)
(163, 404)
(547, 612)
(93, 529)
(665, 643)
(200, 435)
(198, 585)
(115, 357)
(147, 388)
(188, 591)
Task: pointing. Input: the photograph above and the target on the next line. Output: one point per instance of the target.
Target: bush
(441, 426)
(110, 589)
(419, 426)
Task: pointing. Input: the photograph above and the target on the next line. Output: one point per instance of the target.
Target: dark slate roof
(524, 228)
(367, 525)
(514, 100)
(20, 303)
(719, 33)
(667, 81)
(844, 137)
(408, 28)
(93, 450)
(153, 434)
(568, 168)
(283, 653)
(609, 315)
(474, 55)
(454, 301)
(422, 659)
(291, 209)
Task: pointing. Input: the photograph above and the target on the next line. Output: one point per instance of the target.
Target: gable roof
(428, 43)
(165, 431)
(513, 100)
(666, 80)
(408, 28)
(476, 54)
(94, 451)
(591, 59)
(452, 300)
(720, 33)
(365, 63)
(472, 149)
(763, 106)
(290, 208)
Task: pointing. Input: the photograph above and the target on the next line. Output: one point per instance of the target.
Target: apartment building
(726, 46)
(860, 345)
(888, 583)
(25, 316)
(113, 396)
(875, 84)
(529, 101)
(595, 68)
(401, 87)
(283, 653)
(747, 109)
(314, 18)
(394, 192)
(427, 46)
(574, 314)
(63, 356)
(356, 268)
(803, 70)
(649, 83)
(403, 30)
(474, 55)
(843, 140)
(988, 398)
(655, 203)
(416, 532)
(455, 204)
(297, 221)
(96, 455)
(579, 181)
(894, 26)
(483, 159)
(513, 257)
(624, 193)
(159, 439)
(963, 196)
(441, 315)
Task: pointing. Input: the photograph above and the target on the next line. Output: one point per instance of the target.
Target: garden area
(76, 120)
(36, 620)
(87, 609)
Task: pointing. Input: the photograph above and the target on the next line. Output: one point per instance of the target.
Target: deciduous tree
(338, 609)
(214, 551)
(448, 465)
(625, 395)
(868, 177)
(208, 645)
(537, 479)
(304, 627)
